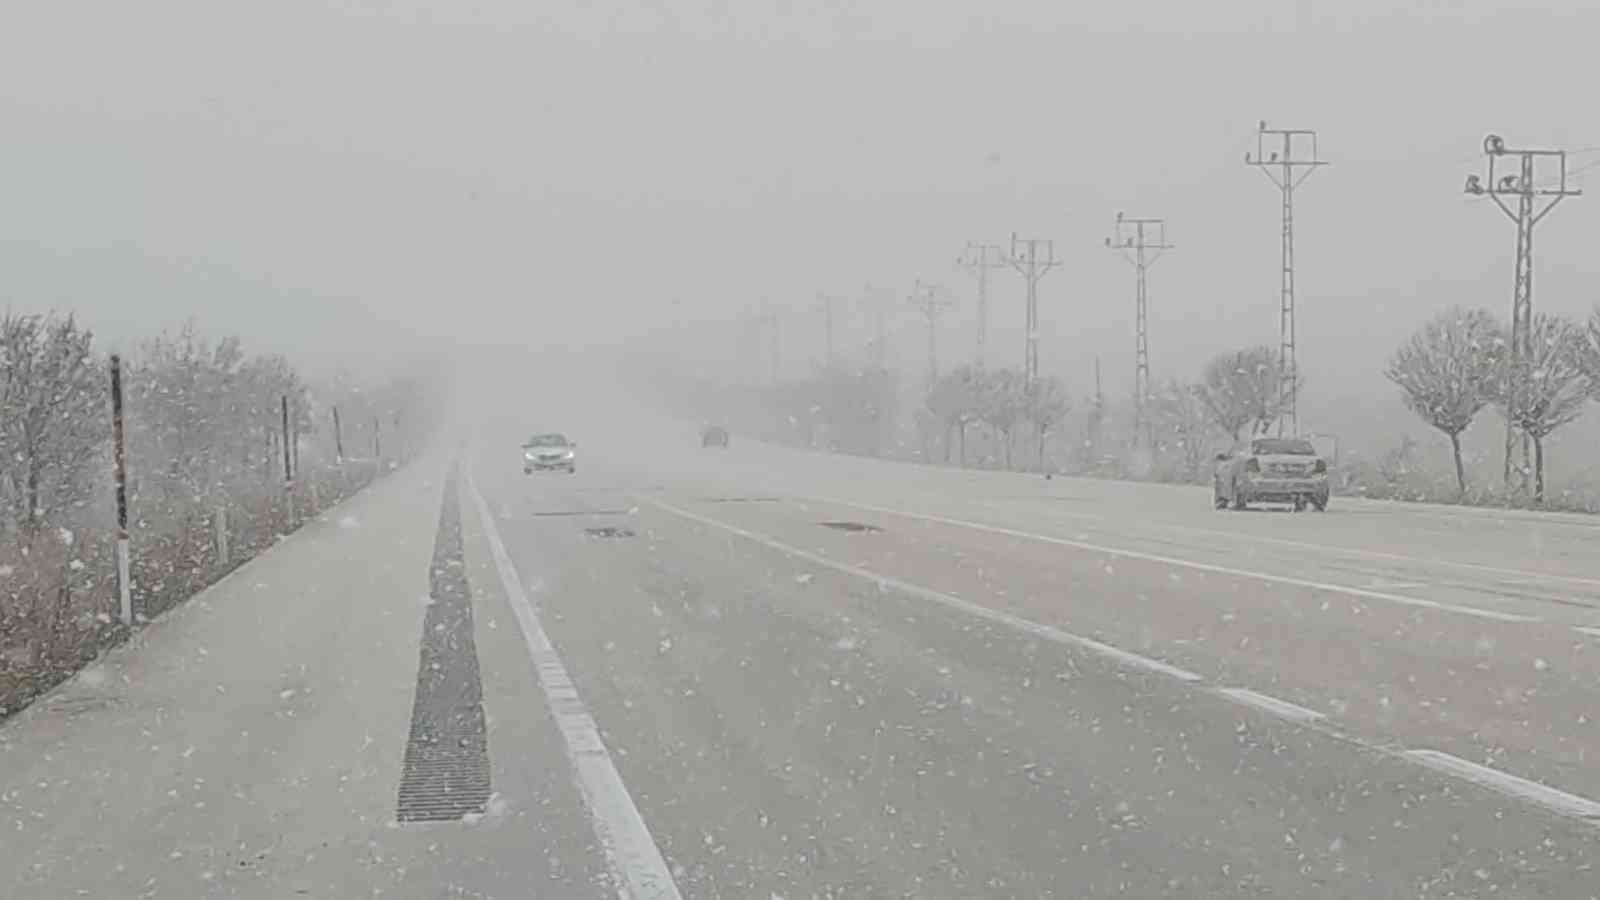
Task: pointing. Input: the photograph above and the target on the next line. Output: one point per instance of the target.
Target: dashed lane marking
(631, 852)
(1125, 658)
(1283, 709)
(1548, 798)
(1363, 593)
(1555, 800)
(1340, 550)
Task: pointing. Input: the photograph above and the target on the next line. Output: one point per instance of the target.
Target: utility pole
(880, 347)
(776, 346)
(925, 298)
(1025, 258)
(1530, 210)
(880, 339)
(979, 259)
(288, 471)
(825, 306)
(1096, 415)
(1287, 168)
(769, 318)
(761, 326)
(119, 474)
(288, 453)
(1135, 239)
(294, 440)
(750, 348)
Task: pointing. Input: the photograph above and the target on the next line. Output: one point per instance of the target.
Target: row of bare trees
(1451, 369)
(1000, 400)
(1455, 366)
(52, 416)
(204, 418)
(205, 450)
(1460, 363)
(1239, 393)
(852, 409)
(847, 408)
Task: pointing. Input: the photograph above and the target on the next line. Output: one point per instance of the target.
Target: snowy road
(758, 673)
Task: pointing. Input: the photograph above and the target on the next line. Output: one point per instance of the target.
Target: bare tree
(928, 426)
(954, 399)
(1244, 388)
(1048, 407)
(1447, 371)
(1591, 351)
(182, 402)
(1547, 387)
(1001, 404)
(1183, 417)
(53, 418)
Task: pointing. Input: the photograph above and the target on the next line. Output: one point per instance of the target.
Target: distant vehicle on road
(713, 436)
(550, 452)
(1274, 470)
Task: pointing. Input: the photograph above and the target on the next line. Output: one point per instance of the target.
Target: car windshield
(1282, 447)
(547, 440)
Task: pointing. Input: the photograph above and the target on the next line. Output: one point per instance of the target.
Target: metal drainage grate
(446, 769)
(609, 531)
(857, 527)
(444, 783)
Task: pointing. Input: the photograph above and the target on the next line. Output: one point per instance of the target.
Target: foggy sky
(351, 178)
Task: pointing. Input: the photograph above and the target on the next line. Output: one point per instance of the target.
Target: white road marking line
(1550, 798)
(1527, 576)
(1283, 709)
(1199, 566)
(635, 860)
(1124, 657)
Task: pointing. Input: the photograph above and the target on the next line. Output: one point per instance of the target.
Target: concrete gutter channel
(446, 769)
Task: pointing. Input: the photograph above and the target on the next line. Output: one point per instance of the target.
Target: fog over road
(761, 672)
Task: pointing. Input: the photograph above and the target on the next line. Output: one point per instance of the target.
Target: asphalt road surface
(758, 672)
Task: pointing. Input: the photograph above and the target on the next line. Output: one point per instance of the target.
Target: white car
(1274, 470)
(550, 452)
